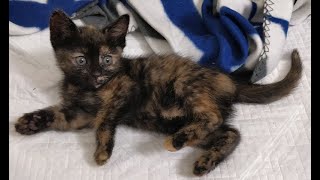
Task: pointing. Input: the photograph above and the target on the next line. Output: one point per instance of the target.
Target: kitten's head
(86, 55)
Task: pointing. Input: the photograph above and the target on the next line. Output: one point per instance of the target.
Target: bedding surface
(276, 138)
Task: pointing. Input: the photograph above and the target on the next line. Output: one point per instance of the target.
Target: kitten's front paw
(34, 122)
(168, 144)
(101, 156)
(176, 142)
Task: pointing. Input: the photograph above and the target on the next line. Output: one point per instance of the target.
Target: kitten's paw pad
(168, 144)
(200, 170)
(203, 166)
(101, 157)
(32, 123)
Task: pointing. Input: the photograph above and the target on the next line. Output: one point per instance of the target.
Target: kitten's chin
(97, 85)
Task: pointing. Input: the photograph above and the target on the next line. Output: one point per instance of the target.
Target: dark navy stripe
(253, 10)
(283, 23)
(259, 28)
(103, 2)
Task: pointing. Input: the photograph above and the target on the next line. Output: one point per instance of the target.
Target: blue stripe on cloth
(215, 26)
(238, 41)
(232, 30)
(186, 17)
(34, 14)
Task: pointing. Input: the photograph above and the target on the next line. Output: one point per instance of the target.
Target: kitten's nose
(100, 80)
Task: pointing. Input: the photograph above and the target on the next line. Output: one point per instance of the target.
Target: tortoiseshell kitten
(167, 94)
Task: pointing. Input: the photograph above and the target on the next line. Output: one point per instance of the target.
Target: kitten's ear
(62, 29)
(116, 32)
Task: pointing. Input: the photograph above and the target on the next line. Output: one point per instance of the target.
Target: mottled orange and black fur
(167, 94)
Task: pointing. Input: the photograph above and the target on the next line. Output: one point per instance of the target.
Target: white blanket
(276, 138)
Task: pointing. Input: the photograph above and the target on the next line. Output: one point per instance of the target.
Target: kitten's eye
(81, 60)
(106, 59)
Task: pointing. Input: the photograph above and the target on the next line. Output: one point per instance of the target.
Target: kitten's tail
(262, 94)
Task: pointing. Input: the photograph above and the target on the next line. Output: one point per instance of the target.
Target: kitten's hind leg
(54, 117)
(218, 146)
(206, 119)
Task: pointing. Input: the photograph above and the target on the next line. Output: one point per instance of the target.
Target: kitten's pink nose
(100, 80)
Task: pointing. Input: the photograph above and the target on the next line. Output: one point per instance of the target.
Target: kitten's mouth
(99, 81)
